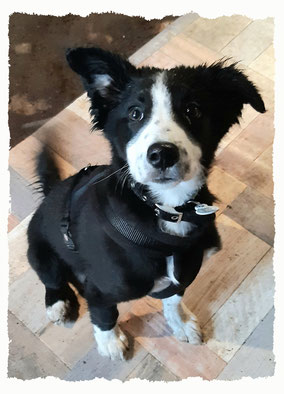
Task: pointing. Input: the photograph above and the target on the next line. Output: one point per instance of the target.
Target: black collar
(187, 212)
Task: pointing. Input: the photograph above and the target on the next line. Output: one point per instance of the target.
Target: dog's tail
(47, 171)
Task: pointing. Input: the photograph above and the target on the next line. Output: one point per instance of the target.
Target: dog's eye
(193, 111)
(136, 114)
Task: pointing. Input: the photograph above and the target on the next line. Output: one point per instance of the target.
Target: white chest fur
(165, 281)
(175, 196)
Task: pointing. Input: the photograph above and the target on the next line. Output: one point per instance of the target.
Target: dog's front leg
(111, 341)
(181, 320)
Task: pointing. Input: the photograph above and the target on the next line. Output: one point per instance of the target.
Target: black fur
(47, 172)
(115, 271)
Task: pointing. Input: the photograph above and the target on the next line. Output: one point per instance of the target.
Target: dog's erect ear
(102, 72)
(232, 89)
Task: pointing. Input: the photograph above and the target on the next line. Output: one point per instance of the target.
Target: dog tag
(204, 209)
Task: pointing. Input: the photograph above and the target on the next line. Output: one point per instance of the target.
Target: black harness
(120, 228)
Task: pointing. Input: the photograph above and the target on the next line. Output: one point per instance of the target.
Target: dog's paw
(112, 343)
(59, 312)
(182, 321)
(187, 328)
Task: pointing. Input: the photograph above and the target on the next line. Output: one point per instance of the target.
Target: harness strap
(118, 227)
(136, 235)
(77, 191)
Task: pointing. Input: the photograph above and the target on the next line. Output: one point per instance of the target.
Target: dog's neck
(178, 194)
(173, 196)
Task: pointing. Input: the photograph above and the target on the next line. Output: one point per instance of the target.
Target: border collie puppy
(141, 225)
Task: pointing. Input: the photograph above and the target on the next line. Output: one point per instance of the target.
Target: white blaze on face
(161, 127)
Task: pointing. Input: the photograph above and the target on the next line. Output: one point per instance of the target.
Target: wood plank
(251, 42)
(18, 246)
(162, 38)
(149, 328)
(81, 107)
(28, 357)
(152, 370)
(255, 358)
(26, 301)
(22, 157)
(225, 187)
(92, 365)
(259, 174)
(237, 157)
(220, 276)
(254, 211)
(218, 32)
(24, 198)
(70, 344)
(248, 115)
(70, 137)
(230, 136)
(159, 59)
(238, 317)
(26, 168)
(188, 52)
(13, 222)
(265, 86)
(182, 22)
(264, 63)
(248, 112)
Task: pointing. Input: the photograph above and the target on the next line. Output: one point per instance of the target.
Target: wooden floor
(232, 295)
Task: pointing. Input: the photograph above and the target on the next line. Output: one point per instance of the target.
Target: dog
(143, 224)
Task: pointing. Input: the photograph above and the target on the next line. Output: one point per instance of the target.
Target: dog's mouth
(172, 175)
(164, 179)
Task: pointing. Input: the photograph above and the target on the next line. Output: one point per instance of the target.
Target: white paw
(182, 321)
(58, 312)
(112, 343)
(188, 330)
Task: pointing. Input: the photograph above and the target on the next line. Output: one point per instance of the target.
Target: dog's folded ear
(232, 89)
(104, 76)
(102, 72)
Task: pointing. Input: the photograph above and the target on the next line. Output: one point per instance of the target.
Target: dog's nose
(163, 155)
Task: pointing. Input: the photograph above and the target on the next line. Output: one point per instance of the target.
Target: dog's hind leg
(181, 320)
(60, 300)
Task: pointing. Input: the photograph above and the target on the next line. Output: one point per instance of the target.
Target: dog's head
(165, 124)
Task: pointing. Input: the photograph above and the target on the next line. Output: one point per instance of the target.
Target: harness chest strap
(192, 211)
(76, 192)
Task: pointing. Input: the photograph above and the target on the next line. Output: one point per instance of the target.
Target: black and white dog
(141, 225)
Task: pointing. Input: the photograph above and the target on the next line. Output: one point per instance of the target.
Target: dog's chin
(164, 181)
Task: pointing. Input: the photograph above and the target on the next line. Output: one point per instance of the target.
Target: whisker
(118, 181)
(115, 172)
(126, 175)
(122, 177)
